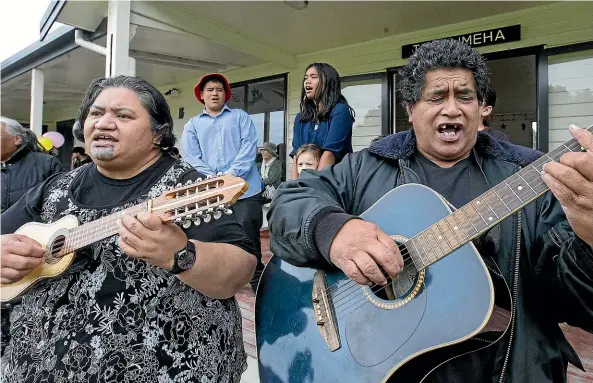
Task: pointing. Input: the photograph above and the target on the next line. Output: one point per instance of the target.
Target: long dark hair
(153, 101)
(328, 94)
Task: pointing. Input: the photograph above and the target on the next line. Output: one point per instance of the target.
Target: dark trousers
(248, 212)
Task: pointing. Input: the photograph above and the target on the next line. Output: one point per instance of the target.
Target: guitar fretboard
(94, 231)
(484, 212)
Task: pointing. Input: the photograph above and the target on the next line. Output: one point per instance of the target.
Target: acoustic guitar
(193, 203)
(319, 326)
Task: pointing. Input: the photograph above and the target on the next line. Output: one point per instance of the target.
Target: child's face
(306, 161)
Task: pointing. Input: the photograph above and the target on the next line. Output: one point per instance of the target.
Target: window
(265, 102)
(365, 95)
(570, 94)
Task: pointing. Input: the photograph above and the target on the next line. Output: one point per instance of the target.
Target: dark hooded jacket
(23, 170)
(548, 269)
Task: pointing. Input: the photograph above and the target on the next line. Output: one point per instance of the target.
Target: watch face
(185, 259)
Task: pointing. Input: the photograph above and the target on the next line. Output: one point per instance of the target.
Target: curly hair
(153, 101)
(441, 54)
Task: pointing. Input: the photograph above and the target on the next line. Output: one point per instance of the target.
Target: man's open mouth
(449, 132)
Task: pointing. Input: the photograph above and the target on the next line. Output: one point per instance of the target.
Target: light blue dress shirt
(226, 143)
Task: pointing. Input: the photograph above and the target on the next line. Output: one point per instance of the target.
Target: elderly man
(152, 302)
(271, 170)
(224, 140)
(22, 166)
(314, 220)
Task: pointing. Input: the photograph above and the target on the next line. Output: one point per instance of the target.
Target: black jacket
(548, 268)
(24, 170)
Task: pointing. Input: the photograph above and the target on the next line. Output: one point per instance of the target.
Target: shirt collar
(225, 107)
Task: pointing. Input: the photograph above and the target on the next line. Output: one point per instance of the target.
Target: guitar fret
(457, 227)
(426, 253)
(414, 253)
(448, 234)
(435, 242)
(479, 224)
(432, 253)
(442, 238)
(471, 228)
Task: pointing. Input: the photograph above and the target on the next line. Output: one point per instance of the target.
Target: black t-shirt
(458, 184)
(91, 189)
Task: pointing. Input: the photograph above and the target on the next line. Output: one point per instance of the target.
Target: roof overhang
(57, 43)
(85, 15)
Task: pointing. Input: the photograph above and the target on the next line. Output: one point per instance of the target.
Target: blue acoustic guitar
(320, 326)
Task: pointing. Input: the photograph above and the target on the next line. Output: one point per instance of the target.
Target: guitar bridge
(324, 312)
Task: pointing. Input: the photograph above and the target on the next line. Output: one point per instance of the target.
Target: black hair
(328, 94)
(490, 97)
(214, 78)
(153, 101)
(441, 54)
(79, 150)
(175, 151)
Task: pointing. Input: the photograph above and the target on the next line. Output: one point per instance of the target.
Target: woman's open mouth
(449, 132)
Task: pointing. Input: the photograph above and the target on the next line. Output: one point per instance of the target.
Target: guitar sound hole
(53, 252)
(399, 287)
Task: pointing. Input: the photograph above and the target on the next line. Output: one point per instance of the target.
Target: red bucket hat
(208, 77)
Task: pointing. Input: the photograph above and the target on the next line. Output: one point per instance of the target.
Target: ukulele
(196, 202)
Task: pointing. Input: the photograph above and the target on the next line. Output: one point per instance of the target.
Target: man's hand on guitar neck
(359, 249)
(571, 181)
(19, 256)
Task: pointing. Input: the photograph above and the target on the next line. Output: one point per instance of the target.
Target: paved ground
(251, 375)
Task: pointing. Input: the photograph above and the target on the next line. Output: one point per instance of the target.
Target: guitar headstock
(200, 200)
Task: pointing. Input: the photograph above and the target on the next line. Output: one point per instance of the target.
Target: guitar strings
(350, 285)
(347, 286)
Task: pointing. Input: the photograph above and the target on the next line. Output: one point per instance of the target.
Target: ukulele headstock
(199, 201)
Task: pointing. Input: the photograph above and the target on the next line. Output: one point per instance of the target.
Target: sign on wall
(476, 39)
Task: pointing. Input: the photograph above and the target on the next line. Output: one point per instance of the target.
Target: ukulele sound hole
(53, 252)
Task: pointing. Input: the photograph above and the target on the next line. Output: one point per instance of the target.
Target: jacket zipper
(514, 308)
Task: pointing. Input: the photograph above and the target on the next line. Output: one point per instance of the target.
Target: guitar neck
(95, 231)
(484, 212)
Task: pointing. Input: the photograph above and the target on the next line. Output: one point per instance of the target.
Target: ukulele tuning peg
(186, 224)
(207, 218)
(197, 221)
(217, 214)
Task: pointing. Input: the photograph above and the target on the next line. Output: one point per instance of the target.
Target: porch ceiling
(326, 24)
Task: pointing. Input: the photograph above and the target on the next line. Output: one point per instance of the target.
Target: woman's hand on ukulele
(146, 237)
(19, 256)
(360, 248)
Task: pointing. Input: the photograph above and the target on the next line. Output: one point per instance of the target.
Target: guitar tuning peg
(178, 220)
(218, 174)
(186, 224)
(199, 179)
(197, 221)
(217, 214)
(207, 218)
(189, 182)
(178, 185)
(209, 176)
(210, 210)
(227, 211)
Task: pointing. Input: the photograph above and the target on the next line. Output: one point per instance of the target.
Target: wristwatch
(184, 259)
